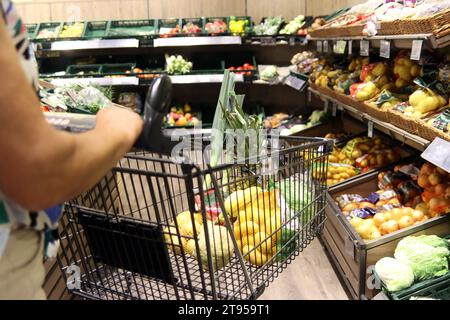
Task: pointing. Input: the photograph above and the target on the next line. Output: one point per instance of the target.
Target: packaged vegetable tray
(438, 288)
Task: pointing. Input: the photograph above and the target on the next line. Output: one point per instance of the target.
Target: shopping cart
(155, 228)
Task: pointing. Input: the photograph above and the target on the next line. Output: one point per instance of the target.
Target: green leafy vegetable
(394, 274)
(427, 255)
(178, 65)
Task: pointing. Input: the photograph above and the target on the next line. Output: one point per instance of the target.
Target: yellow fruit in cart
(252, 213)
(190, 247)
(186, 225)
(236, 201)
(174, 241)
(253, 240)
(245, 228)
(255, 257)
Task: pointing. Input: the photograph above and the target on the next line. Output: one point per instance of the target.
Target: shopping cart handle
(156, 106)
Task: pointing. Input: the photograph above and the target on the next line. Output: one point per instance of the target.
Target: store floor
(309, 277)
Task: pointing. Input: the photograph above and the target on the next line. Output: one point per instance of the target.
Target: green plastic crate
(87, 69)
(69, 24)
(32, 30)
(53, 27)
(249, 27)
(212, 19)
(117, 68)
(197, 21)
(96, 29)
(165, 25)
(132, 28)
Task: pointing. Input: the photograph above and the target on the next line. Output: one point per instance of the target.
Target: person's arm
(40, 166)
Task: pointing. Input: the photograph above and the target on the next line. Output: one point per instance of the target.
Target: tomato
(137, 70)
(45, 108)
(231, 68)
(248, 74)
(247, 66)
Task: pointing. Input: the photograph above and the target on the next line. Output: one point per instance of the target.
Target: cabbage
(427, 255)
(299, 197)
(394, 274)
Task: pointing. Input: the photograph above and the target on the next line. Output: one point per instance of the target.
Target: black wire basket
(159, 229)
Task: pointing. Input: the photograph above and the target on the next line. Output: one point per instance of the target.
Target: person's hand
(126, 123)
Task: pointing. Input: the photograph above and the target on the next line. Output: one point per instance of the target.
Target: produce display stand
(354, 257)
(437, 288)
(351, 255)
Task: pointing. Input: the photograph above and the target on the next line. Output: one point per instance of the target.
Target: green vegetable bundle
(293, 25)
(178, 65)
(269, 27)
(427, 256)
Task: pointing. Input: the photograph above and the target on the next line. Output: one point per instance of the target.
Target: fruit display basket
(355, 257)
(216, 26)
(96, 29)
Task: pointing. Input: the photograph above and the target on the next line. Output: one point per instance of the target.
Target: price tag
(319, 46)
(341, 45)
(385, 49)
(325, 46)
(438, 153)
(334, 110)
(350, 47)
(309, 96)
(416, 49)
(295, 82)
(364, 48)
(327, 106)
(268, 41)
(370, 129)
(292, 41)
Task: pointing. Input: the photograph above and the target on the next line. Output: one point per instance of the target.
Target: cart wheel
(258, 292)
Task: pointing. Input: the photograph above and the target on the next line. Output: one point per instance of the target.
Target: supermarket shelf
(124, 81)
(403, 136)
(93, 44)
(202, 78)
(135, 81)
(399, 41)
(63, 45)
(197, 41)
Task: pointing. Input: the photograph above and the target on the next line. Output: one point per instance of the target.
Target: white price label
(327, 106)
(309, 96)
(364, 48)
(370, 129)
(350, 47)
(334, 110)
(268, 41)
(295, 82)
(319, 46)
(325, 46)
(385, 49)
(292, 41)
(339, 47)
(416, 49)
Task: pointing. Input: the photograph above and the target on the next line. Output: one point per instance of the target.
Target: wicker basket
(376, 112)
(403, 122)
(425, 25)
(350, 31)
(389, 27)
